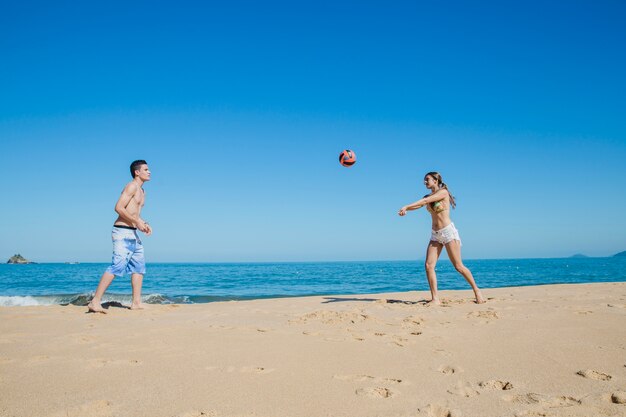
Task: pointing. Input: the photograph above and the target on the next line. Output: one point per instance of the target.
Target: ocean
(46, 284)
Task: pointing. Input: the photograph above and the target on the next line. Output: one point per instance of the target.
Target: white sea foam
(76, 299)
(23, 301)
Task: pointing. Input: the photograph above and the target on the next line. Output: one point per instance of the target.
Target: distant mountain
(579, 255)
(18, 259)
(621, 254)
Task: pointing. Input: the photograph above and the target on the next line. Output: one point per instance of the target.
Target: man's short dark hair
(135, 166)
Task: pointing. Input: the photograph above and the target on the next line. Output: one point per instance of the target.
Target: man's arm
(120, 208)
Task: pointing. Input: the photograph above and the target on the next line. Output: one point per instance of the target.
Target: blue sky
(242, 108)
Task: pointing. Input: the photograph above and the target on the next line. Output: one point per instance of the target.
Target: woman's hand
(402, 211)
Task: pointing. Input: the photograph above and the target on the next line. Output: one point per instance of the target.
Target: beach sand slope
(554, 350)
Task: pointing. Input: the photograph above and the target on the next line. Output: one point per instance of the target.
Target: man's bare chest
(137, 201)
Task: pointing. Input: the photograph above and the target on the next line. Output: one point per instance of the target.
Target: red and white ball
(347, 158)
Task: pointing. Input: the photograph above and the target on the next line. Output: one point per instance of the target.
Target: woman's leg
(432, 255)
(454, 253)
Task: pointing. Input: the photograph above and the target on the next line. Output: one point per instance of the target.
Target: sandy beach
(557, 350)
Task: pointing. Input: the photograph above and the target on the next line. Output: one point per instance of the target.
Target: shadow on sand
(387, 300)
(108, 304)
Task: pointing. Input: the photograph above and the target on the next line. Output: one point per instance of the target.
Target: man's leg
(136, 281)
(95, 304)
(137, 267)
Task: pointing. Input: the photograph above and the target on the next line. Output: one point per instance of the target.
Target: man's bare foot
(95, 308)
(137, 306)
(434, 301)
(479, 298)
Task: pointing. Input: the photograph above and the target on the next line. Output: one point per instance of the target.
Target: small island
(18, 259)
(621, 254)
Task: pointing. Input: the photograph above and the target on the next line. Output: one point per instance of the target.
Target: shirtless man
(127, 247)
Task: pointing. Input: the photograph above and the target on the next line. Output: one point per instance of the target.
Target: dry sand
(557, 350)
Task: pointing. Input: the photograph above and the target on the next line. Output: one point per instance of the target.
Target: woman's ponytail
(439, 179)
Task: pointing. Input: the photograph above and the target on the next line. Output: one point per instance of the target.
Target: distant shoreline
(443, 259)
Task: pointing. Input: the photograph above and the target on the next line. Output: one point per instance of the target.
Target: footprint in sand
(494, 384)
(412, 321)
(332, 317)
(263, 330)
(442, 352)
(399, 341)
(584, 312)
(434, 410)
(448, 370)
(595, 375)
(392, 340)
(486, 315)
(356, 336)
(413, 324)
(531, 413)
(377, 393)
(449, 302)
(464, 389)
(544, 400)
(563, 401)
(530, 398)
(368, 378)
(618, 397)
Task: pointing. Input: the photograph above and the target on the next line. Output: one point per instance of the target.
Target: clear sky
(241, 109)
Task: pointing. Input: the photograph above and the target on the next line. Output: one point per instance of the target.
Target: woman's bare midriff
(440, 220)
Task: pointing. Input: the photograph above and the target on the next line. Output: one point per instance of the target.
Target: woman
(438, 203)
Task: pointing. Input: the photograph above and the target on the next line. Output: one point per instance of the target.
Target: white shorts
(445, 235)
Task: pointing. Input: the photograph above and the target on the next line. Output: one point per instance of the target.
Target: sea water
(45, 284)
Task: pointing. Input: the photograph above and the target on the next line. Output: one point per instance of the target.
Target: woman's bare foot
(95, 308)
(137, 306)
(434, 301)
(479, 298)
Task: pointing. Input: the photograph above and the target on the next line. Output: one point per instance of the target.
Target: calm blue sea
(44, 284)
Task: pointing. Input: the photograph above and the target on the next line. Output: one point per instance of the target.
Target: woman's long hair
(437, 177)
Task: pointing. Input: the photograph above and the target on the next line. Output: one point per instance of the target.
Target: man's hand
(402, 211)
(148, 231)
(143, 227)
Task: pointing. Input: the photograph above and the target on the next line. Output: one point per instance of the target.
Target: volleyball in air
(347, 158)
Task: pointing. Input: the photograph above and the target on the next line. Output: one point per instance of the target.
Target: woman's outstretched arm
(438, 196)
